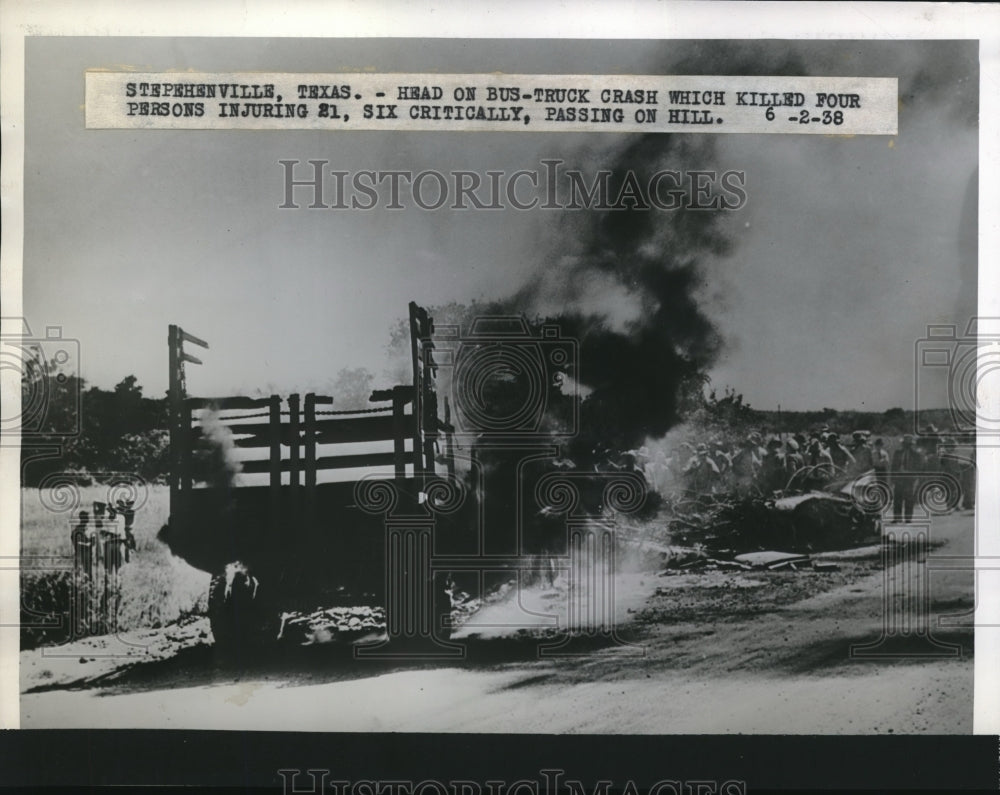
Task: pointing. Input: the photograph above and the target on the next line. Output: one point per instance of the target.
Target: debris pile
(766, 560)
(729, 524)
(349, 624)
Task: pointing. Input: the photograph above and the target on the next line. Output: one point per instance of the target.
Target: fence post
(294, 462)
(274, 429)
(399, 434)
(415, 333)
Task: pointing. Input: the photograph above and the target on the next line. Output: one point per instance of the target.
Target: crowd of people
(797, 462)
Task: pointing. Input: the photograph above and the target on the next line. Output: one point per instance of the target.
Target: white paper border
(639, 19)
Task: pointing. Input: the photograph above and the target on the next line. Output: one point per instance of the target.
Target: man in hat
(794, 462)
(862, 452)
(772, 468)
(658, 472)
(842, 458)
(880, 461)
(819, 462)
(907, 463)
(746, 465)
(701, 474)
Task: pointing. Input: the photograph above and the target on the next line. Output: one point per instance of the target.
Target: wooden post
(294, 441)
(398, 433)
(428, 403)
(173, 413)
(274, 431)
(310, 442)
(185, 445)
(449, 445)
(312, 400)
(179, 415)
(415, 359)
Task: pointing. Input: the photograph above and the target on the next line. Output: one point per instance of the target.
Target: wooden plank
(403, 393)
(193, 339)
(372, 428)
(222, 403)
(367, 428)
(770, 558)
(259, 441)
(360, 460)
(256, 435)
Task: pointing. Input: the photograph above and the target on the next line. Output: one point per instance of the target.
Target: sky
(845, 251)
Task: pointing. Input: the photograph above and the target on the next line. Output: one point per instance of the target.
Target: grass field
(156, 588)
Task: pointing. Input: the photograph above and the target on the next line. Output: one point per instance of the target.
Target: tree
(96, 430)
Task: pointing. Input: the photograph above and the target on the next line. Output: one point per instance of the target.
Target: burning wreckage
(754, 498)
(321, 529)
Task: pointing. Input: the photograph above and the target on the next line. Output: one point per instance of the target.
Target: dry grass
(156, 588)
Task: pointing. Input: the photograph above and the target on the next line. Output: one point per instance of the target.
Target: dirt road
(718, 652)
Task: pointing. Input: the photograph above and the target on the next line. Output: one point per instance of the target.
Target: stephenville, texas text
(491, 103)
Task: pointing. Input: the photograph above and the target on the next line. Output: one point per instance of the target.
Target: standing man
(862, 452)
(793, 458)
(820, 462)
(842, 458)
(772, 468)
(746, 464)
(880, 462)
(701, 474)
(907, 463)
(721, 457)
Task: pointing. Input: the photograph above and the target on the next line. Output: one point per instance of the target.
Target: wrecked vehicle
(811, 521)
(288, 504)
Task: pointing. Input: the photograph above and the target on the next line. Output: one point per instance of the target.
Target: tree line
(93, 430)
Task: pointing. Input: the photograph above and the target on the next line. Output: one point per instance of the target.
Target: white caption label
(491, 102)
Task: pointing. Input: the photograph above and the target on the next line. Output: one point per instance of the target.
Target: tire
(238, 614)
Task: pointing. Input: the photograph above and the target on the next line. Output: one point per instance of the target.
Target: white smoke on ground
(607, 572)
(217, 452)
(662, 460)
(589, 596)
